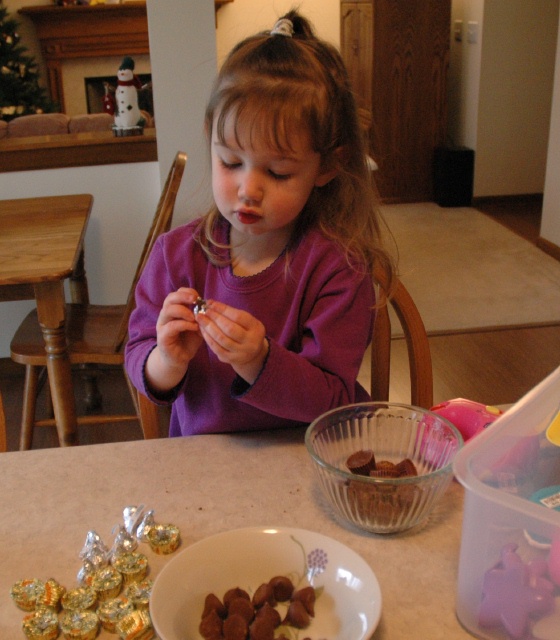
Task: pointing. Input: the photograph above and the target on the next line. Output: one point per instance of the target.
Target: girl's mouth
(246, 217)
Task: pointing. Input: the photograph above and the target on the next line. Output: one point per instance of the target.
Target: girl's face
(258, 188)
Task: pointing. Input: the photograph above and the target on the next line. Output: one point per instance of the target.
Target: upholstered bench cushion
(44, 124)
(91, 122)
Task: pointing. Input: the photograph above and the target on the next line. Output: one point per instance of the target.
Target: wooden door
(402, 80)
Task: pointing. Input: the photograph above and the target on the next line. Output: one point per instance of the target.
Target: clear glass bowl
(394, 432)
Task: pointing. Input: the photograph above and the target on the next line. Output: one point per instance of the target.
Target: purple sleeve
(322, 375)
(152, 288)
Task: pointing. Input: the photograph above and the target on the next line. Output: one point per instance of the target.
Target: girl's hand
(178, 340)
(236, 337)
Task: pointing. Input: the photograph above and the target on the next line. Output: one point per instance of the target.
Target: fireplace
(87, 34)
(95, 91)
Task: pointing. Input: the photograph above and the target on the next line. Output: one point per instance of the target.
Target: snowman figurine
(128, 118)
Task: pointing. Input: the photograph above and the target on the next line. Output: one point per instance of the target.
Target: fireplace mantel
(82, 31)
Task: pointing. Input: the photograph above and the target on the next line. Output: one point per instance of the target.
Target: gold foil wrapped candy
(42, 624)
(79, 599)
(163, 538)
(79, 625)
(136, 626)
(25, 593)
(112, 611)
(52, 595)
(106, 582)
(139, 593)
(133, 566)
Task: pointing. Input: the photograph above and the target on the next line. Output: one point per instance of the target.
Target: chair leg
(148, 417)
(147, 411)
(29, 404)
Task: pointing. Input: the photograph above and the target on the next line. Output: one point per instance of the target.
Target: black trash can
(453, 176)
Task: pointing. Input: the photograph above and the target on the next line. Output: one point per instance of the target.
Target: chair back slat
(160, 224)
(417, 343)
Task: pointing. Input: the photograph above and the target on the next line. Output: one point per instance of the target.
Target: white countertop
(206, 484)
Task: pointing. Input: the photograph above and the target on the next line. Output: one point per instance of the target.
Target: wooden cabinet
(397, 54)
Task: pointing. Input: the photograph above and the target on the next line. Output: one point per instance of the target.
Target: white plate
(348, 605)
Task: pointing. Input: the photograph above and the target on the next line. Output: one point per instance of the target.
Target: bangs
(274, 116)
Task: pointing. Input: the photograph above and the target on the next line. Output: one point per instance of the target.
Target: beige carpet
(466, 271)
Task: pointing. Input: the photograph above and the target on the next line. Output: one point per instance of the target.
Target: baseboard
(548, 247)
(508, 199)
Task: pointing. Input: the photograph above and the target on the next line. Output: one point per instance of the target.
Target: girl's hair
(280, 85)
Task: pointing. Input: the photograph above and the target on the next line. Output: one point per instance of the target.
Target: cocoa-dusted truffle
(236, 592)
(264, 594)
(235, 627)
(297, 615)
(282, 587)
(213, 603)
(306, 596)
(242, 607)
(262, 629)
(269, 613)
(210, 626)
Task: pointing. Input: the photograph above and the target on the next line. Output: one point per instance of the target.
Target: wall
(242, 18)
(501, 91)
(550, 227)
(500, 99)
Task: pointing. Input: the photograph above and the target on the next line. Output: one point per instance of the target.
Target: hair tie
(283, 27)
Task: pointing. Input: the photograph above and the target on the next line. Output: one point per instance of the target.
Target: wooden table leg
(50, 310)
(79, 293)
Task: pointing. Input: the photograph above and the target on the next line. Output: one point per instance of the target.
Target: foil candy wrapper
(139, 593)
(106, 582)
(132, 516)
(137, 626)
(132, 565)
(94, 555)
(110, 612)
(199, 306)
(164, 538)
(52, 595)
(79, 599)
(79, 625)
(125, 542)
(26, 592)
(42, 624)
(145, 525)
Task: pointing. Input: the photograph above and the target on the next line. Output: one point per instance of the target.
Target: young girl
(284, 260)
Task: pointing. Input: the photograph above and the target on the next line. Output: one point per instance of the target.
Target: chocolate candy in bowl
(408, 454)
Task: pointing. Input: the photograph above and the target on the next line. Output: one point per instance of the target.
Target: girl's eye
(280, 176)
(230, 165)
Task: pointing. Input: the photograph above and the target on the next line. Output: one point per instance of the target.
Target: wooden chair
(3, 442)
(96, 334)
(418, 347)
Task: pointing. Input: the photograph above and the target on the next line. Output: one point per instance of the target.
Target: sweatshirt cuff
(240, 387)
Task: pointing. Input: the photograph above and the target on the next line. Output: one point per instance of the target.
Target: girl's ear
(331, 167)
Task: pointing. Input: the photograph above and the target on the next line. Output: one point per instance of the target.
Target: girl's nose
(250, 188)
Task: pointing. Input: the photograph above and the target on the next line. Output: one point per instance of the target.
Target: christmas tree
(20, 92)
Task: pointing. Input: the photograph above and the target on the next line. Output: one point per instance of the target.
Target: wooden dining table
(205, 485)
(41, 246)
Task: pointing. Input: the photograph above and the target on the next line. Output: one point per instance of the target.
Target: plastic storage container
(509, 566)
